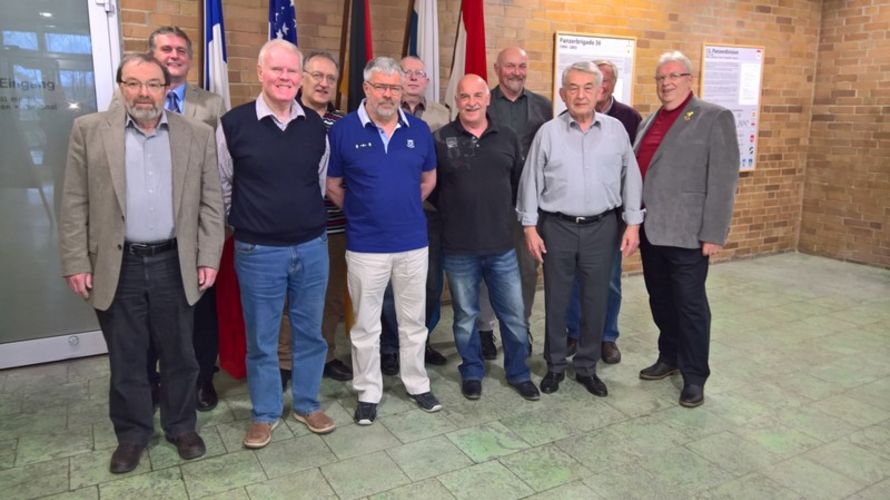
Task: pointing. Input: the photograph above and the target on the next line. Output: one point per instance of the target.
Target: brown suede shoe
(610, 353)
(317, 422)
(259, 434)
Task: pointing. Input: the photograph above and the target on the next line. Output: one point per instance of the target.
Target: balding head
(472, 100)
(512, 69)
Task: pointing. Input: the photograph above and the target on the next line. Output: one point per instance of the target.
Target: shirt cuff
(528, 219)
(633, 217)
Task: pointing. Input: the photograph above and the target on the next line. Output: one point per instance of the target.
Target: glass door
(57, 62)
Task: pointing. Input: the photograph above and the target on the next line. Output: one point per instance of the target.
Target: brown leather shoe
(317, 422)
(259, 434)
(189, 445)
(610, 353)
(125, 458)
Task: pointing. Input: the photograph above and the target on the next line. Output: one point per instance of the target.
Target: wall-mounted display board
(569, 48)
(732, 76)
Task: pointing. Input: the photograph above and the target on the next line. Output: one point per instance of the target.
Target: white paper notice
(572, 48)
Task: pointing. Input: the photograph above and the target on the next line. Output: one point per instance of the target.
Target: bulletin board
(732, 76)
(569, 48)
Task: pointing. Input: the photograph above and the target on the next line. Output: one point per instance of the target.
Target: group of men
(382, 202)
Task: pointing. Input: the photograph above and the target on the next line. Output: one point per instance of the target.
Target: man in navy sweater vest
(383, 165)
(273, 161)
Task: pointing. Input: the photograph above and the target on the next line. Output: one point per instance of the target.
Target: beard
(384, 111)
(144, 114)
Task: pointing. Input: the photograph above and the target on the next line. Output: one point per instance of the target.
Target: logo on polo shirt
(361, 145)
(410, 143)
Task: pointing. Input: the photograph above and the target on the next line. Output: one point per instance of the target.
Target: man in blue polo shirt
(382, 167)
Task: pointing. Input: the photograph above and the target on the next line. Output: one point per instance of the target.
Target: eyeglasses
(135, 85)
(382, 88)
(318, 76)
(418, 73)
(671, 77)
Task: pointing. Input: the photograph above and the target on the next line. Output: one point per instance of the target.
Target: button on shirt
(580, 173)
(149, 183)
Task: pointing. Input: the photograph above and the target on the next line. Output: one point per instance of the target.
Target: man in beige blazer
(140, 234)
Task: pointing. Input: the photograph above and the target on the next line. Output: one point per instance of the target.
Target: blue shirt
(180, 96)
(384, 212)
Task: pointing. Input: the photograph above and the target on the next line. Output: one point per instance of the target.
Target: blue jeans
(266, 274)
(573, 316)
(501, 274)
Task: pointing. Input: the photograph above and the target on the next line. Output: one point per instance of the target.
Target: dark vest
(276, 196)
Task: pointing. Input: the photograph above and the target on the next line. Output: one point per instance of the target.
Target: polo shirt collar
(263, 110)
(492, 127)
(365, 119)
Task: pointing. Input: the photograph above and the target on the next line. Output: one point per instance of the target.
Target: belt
(149, 249)
(580, 220)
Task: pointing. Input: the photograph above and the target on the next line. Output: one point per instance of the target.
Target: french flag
(469, 49)
(216, 68)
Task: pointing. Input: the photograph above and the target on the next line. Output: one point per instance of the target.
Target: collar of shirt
(421, 106)
(263, 110)
(161, 124)
(329, 109)
(365, 119)
(609, 107)
(499, 94)
(566, 117)
(492, 127)
(180, 94)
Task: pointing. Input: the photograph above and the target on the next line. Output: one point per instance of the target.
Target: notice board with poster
(569, 48)
(732, 76)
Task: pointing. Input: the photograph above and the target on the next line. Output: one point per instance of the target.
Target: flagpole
(407, 28)
(344, 32)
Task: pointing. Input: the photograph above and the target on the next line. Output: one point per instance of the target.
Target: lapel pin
(688, 115)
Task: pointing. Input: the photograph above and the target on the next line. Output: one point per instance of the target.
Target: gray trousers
(587, 250)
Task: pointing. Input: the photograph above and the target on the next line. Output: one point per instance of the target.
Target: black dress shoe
(471, 389)
(610, 353)
(658, 371)
(285, 378)
(189, 445)
(434, 357)
(550, 383)
(389, 363)
(489, 350)
(155, 395)
(125, 458)
(527, 390)
(337, 370)
(207, 397)
(593, 384)
(571, 347)
(692, 396)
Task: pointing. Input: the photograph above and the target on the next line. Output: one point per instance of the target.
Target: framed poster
(732, 76)
(569, 48)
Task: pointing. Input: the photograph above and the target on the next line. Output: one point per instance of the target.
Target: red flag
(469, 49)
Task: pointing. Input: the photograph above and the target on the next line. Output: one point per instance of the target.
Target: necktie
(172, 102)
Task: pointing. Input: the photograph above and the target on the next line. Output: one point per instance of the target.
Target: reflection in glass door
(56, 64)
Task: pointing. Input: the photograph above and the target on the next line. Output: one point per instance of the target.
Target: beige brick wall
(768, 211)
(846, 203)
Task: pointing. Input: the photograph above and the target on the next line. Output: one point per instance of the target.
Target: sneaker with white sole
(259, 434)
(317, 422)
(427, 402)
(365, 413)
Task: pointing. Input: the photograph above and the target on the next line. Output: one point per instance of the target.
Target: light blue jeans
(266, 274)
(501, 274)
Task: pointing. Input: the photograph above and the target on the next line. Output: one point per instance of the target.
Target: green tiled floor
(798, 406)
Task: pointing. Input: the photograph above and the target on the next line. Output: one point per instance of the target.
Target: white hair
(278, 42)
(674, 56)
(385, 65)
(584, 67)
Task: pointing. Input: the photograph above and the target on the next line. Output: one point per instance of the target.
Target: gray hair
(674, 56)
(610, 64)
(323, 55)
(385, 65)
(584, 67)
(278, 42)
(169, 30)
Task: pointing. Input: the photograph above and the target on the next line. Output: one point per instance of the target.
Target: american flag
(282, 20)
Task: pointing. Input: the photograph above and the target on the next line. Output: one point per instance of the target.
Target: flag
(216, 69)
(469, 49)
(360, 52)
(423, 42)
(283, 20)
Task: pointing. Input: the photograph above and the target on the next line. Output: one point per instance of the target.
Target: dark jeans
(586, 251)
(150, 309)
(675, 279)
(205, 340)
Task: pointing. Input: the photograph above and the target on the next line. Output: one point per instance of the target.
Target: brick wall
(768, 211)
(846, 203)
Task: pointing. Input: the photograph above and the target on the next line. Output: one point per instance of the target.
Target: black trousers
(675, 279)
(205, 343)
(587, 250)
(150, 310)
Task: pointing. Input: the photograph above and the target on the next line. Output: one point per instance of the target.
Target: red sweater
(656, 133)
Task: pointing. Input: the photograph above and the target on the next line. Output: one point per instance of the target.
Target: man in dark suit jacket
(689, 157)
(143, 248)
(513, 105)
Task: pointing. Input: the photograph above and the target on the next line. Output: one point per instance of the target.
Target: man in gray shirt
(580, 175)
